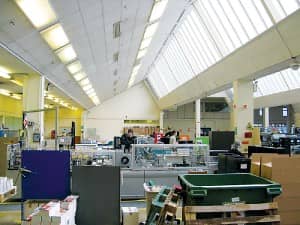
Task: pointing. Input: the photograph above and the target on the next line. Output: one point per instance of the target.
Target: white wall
(188, 126)
(186, 122)
(134, 104)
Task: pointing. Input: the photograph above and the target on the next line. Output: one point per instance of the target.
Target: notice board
(48, 175)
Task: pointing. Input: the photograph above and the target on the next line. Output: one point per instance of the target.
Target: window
(282, 8)
(209, 31)
(284, 112)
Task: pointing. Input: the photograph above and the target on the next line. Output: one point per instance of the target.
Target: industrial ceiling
(105, 35)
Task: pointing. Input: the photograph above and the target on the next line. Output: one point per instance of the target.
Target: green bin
(218, 189)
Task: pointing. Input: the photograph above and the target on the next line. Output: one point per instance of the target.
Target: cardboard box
(290, 218)
(130, 216)
(286, 170)
(286, 204)
(255, 168)
(256, 158)
(290, 190)
(266, 170)
(255, 164)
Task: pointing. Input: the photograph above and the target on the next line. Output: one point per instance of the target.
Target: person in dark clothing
(169, 132)
(127, 140)
(235, 149)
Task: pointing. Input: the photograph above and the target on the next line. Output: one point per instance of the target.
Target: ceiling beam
(278, 99)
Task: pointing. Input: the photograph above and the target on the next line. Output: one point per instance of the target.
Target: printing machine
(161, 163)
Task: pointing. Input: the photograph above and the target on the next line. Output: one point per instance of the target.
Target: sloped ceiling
(89, 26)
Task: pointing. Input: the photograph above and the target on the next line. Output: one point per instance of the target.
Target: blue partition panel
(50, 174)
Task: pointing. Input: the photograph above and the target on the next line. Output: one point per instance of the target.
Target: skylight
(208, 32)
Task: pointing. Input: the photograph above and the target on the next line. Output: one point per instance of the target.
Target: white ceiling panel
(26, 42)
(89, 27)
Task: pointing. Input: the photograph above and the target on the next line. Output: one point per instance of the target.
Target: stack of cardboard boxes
(54, 213)
(6, 185)
(284, 170)
(130, 216)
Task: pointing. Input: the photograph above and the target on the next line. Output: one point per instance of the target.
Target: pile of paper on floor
(54, 213)
(6, 185)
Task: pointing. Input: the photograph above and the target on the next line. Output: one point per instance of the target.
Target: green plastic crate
(218, 189)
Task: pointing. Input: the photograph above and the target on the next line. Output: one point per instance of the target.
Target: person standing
(173, 137)
(127, 140)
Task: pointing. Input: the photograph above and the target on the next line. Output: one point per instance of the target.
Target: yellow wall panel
(10, 106)
(66, 116)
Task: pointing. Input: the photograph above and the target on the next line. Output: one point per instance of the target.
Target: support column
(33, 99)
(297, 119)
(161, 121)
(266, 117)
(84, 117)
(242, 106)
(198, 117)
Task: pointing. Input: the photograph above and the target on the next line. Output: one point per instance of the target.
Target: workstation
(149, 112)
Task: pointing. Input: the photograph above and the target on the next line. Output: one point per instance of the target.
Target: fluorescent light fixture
(79, 76)
(84, 82)
(4, 75)
(136, 69)
(95, 99)
(158, 10)
(87, 87)
(130, 83)
(141, 53)
(48, 106)
(50, 96)
(15, 96)
(150, 30)
(133, 75)
(55, 36)
(40, 13)
(74, 67)
(90, 91)
(92, 94)
(19, 83)
(116, 29)
(4, 92)
(145, 43)
(132, 79)
(66, 54)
